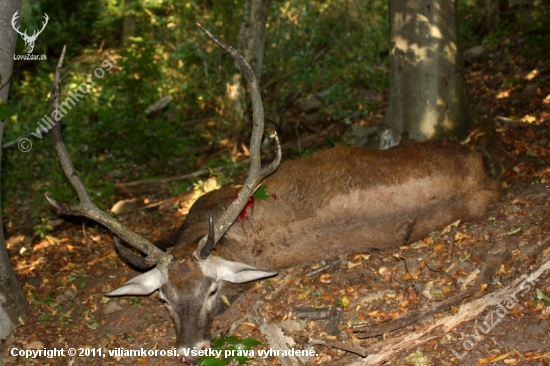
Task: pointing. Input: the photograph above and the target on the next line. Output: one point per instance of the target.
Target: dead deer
(343, 200)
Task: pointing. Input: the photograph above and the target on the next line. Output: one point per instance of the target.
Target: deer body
(346, 200)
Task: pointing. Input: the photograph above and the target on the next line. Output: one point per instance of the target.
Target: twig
(84, 234)
(312, 313)
(7, 81)
(452, 233)
(143, 208)
(342, 361)
(321, 269)
(13, 142)
(144, 185)
(350, 347)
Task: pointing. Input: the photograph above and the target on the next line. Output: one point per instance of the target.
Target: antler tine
(46, 18)
(15, 16)
(255, 174)
(210, 243)
(86, 207)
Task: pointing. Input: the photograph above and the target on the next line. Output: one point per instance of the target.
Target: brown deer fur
(346, 200)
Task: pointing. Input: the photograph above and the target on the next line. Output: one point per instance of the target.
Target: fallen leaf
(344, 300)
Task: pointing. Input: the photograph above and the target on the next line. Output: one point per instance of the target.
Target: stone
(124, 206)
(111, 307)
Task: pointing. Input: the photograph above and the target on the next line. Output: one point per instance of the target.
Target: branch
(391, 348)
(489, 269)
(7, 81)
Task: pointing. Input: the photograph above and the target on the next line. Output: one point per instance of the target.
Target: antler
(86, 207)
(35, 33)
(15, 16)
(43, 25)
(255, 174)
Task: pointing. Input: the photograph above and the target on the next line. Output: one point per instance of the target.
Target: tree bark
(252, 34)
(428, 96)
(13, 304)
(492, 13)
(251, 47)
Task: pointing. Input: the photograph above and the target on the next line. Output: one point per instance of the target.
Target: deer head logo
(29, 40)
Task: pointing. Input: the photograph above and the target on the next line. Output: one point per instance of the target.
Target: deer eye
(213, 291)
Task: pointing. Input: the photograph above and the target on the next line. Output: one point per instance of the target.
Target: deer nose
(192, 355)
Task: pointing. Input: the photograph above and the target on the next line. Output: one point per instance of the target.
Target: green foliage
(261, 192)
(335, 42)
(177, 188)
(91, 322)
(44, 318)
(229, 345)
(43, 228)
(320, 46)
(472, 22)
(540, 298)
(44, 307)
(76, 279)
(48, 300)
(530, 20)
(5, 111)
(534, 23)
(71, 23)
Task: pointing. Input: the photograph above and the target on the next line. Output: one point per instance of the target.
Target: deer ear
(235, 272)
(144, 284)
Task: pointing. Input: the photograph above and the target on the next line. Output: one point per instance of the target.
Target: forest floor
(66, 274)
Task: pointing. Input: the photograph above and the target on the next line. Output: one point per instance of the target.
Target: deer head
(189, 287)
(29, 40)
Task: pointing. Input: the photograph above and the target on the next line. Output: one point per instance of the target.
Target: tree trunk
(492, 13)
(128, 21)
(428, 96)
(13, 304)
(251, 46)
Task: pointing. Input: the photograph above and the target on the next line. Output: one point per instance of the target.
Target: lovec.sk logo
(29, 40)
